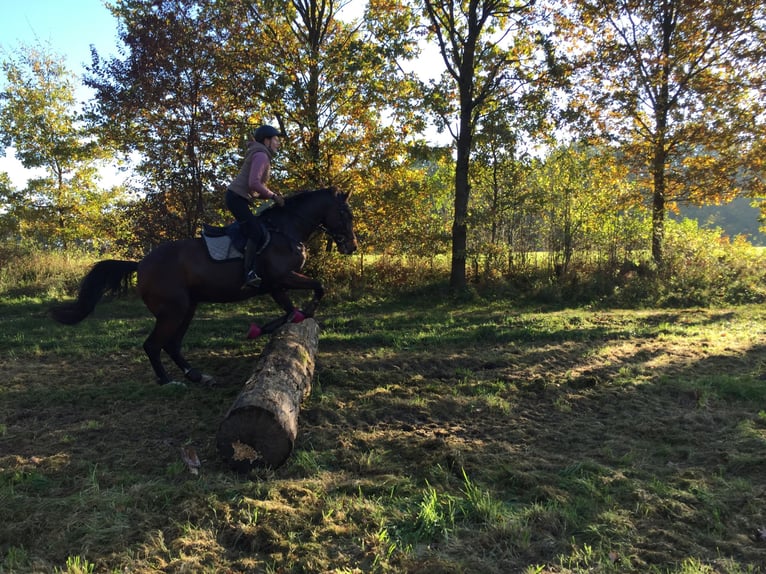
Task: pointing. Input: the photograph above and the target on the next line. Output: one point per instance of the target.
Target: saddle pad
(221, 248)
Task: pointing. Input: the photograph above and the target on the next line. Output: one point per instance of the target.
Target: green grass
(440, 436)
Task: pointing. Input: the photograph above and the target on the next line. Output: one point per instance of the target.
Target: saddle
(228, 243)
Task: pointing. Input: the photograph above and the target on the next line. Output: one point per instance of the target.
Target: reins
(292, 212)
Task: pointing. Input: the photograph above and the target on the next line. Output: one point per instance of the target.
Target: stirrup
(252, 279)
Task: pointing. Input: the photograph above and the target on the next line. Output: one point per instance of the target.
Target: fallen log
(260, 428)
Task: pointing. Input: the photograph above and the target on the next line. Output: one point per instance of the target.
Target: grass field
(440, 436)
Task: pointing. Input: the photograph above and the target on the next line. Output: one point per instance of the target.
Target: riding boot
(251, 277)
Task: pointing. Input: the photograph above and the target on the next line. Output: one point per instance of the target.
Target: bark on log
(261, 426)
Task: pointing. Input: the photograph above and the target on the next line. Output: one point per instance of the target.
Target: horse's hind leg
(173, 348)
(153, 349)
(171, 325)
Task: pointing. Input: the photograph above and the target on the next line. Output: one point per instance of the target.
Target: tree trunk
(459, 225)
(658, 211)
(261, 426)
(661, 116)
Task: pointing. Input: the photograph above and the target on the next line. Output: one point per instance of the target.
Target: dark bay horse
(176, 276)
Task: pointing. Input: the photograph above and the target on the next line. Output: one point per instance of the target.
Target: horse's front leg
(280, 296)
(292, 281)
(298, 281)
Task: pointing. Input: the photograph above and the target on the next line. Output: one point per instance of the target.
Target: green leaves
(39, 117)
(673, 82)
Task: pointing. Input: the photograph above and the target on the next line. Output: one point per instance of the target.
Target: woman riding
(249, 185)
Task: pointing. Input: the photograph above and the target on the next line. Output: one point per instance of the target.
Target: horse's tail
(110, 275)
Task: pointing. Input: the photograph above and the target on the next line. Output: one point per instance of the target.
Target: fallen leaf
(190, 458)
(244, 451)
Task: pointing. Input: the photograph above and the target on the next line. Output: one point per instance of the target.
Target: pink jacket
(251, 180)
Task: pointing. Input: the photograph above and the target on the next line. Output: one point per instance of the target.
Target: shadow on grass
(473, 437)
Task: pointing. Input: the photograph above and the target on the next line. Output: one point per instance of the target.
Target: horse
(176, 276)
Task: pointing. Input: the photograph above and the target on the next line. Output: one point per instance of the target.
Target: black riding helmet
(264, 132)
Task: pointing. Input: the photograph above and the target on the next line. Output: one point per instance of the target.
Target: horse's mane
(295, 199)
(299, 195)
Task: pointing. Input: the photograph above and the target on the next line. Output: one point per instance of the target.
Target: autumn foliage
(553, 136)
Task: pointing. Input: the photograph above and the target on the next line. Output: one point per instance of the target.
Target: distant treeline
(738, 217)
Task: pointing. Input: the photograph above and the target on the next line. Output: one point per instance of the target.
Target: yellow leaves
(39, 118)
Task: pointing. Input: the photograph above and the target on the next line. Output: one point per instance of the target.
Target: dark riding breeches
(240, 208)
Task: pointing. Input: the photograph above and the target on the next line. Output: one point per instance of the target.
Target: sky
(68, 27)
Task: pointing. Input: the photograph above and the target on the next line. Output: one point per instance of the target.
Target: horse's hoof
(193, 375)
(179, 384)
(207, 380)
(254, 332)
(167, 381)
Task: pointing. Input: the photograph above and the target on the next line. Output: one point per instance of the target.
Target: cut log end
(261, 426)
(252, 438)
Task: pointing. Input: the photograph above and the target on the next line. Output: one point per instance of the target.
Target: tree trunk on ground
(261, 426)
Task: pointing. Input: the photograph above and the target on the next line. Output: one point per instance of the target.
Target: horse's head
(339, 223)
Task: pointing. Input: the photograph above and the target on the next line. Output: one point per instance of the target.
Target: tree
(411, 217)
(39, 118)
(679, 84)
(486, 46)
(332, 83)
(496, 172)
(167, 102)
(199, 75)
(586, 204)
(9, 197)
(337, 90)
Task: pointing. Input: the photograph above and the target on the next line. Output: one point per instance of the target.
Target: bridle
(340, 237)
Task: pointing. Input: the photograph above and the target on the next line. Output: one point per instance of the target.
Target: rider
(249, 185)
